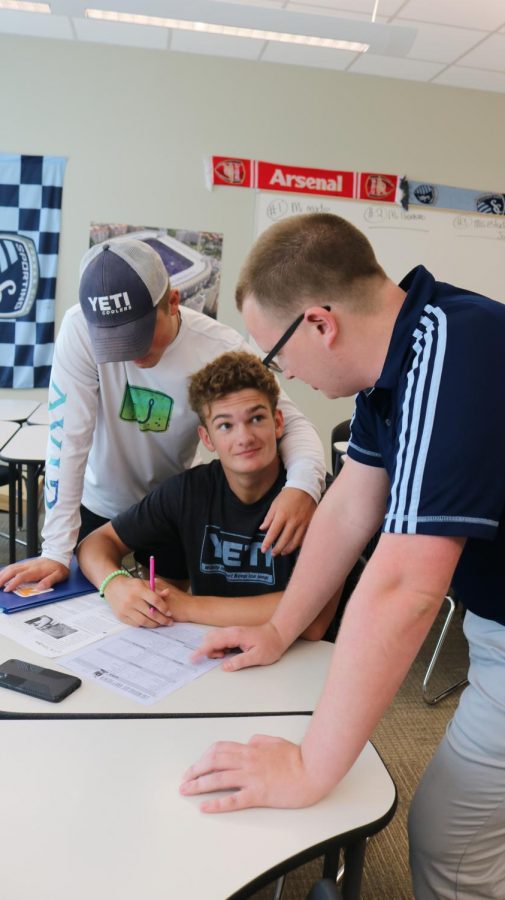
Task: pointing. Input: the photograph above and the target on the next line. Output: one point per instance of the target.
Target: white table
(26, 448)
(7, 430)
(12, 410)
(40, 416)
(92, 809)
(292, 685)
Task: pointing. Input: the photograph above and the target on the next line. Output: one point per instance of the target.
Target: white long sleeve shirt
(117, 431)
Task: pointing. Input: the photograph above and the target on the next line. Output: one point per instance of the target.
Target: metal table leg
(32, 508)
(353, 870)
(12, 511)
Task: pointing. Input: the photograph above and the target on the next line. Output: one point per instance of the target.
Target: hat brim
(119, 343)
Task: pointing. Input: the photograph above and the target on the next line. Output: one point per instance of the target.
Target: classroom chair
(431, 700)
(325, 889)
(4, 480)
(340, 432)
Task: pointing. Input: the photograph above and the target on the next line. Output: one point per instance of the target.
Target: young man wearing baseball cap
(119, 416)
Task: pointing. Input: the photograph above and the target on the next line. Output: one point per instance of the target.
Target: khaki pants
(457, 816)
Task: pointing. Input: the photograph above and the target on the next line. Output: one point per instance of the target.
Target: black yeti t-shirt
(197, 528)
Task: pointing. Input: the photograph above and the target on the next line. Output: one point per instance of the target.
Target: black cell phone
(46, 684)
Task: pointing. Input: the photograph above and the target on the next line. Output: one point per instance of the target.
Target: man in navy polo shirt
(426, 359)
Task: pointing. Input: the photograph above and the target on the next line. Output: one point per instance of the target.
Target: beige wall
(137, 124)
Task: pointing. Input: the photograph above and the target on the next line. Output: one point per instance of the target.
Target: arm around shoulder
(301, 451)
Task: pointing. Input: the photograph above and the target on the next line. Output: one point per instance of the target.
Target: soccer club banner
(226, 171)
(30, 212)
(443, 196)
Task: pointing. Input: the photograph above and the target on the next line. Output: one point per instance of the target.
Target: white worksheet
(144, 664)
(57, 628)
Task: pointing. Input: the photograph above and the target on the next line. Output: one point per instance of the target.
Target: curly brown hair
(230, 372)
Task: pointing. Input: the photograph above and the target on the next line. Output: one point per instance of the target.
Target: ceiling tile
(215, 45)
(296, 55)
(350, 7)
(320, 10)
(317, 8)
(440, 43)
(35, 25)
(458, 76)
(267, 4)
(479, 14)
(389, 67)
(488, 55)
(120, 33)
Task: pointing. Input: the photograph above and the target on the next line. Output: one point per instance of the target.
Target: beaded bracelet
(109, 578)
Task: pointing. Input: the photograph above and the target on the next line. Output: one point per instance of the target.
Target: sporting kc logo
(426, 193)
(19, 275)
(491, 203)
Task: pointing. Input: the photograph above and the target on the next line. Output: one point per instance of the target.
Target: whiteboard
(465, 249)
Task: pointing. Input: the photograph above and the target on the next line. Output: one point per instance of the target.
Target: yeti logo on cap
(111, 304)
(19, 275)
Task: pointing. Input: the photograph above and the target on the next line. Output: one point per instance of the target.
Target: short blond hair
(228, 373)
(302, 258)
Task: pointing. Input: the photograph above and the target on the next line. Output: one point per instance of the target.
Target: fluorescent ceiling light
(22, 6)
(229, 30)
(263, 23)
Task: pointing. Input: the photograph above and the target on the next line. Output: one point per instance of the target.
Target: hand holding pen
(136, 601)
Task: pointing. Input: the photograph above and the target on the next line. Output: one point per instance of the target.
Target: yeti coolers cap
(121, 283)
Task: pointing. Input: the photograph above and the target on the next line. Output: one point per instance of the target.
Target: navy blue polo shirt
(435, 420)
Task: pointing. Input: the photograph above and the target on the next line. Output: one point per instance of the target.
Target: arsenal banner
(30, 211)
(229, 171)
(233, 172)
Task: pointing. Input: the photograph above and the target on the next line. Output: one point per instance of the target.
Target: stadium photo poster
(192, 259)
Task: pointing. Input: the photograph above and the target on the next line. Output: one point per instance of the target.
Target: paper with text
(144, 664)
(57, 628)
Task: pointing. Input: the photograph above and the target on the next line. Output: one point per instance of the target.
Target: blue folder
(73, 586)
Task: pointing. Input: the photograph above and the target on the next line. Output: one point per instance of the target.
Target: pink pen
(151, 579)
(151, 572)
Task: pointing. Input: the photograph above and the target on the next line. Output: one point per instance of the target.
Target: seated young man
(204, 526)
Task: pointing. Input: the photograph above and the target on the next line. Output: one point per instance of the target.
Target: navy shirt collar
(420, 286)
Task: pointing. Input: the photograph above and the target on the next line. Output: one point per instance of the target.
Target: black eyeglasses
(269, 360)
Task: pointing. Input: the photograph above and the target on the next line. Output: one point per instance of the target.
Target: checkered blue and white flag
(30, 212)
